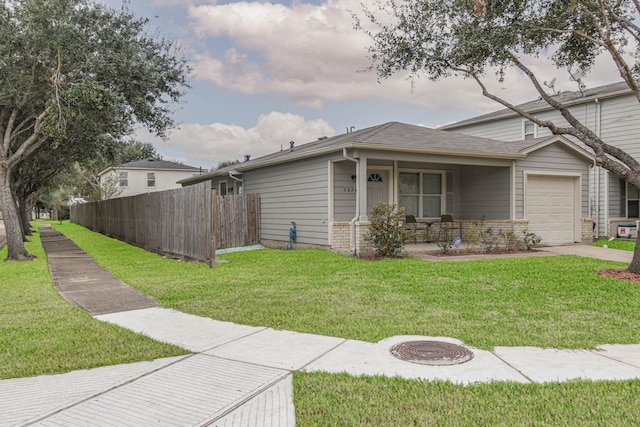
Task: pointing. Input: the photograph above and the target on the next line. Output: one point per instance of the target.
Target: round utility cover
(437, 353)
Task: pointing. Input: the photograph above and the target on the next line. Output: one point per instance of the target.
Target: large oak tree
(483, 39)
(73, 72)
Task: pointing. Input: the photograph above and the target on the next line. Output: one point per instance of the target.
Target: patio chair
(413, 226)
(447, 226)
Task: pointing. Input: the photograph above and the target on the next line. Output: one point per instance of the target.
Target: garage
(551, 208)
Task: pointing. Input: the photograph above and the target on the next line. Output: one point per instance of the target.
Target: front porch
(350, 237)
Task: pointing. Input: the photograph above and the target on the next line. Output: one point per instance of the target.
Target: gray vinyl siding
(553, 159)
(485, 193)
(296, 191)
(621, 124)
(510, 129)
(614, 198)
(344, 190)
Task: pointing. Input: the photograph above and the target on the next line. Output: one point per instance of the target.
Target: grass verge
(41, 333)
(539, 301)
(625, 245)
(341, 400)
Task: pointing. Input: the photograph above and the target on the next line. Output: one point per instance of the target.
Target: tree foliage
(75, 75)
(483, 39)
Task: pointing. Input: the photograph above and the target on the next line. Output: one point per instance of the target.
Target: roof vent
(292, 143)
(247, 157)
(322, 138)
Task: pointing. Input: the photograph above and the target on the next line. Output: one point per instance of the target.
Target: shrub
(511, 240)
(488, 240)
(530, 240)
(387, 233)
(445, 240)
(471, 236)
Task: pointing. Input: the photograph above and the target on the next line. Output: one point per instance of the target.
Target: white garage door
(551, 208)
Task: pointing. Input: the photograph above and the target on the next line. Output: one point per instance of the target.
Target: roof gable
(538, 105)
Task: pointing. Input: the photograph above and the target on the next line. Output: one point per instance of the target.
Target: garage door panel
(551, 208)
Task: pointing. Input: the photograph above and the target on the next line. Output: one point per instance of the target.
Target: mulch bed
(620, 275)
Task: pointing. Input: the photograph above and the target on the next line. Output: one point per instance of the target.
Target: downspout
(352, 224)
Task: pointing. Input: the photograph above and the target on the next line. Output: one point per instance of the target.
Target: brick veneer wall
(586, 231)
(341, 236)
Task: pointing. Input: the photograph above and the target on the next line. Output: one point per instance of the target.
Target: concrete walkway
(241, 375)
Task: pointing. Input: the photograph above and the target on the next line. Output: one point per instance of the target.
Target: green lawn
(341, 400)
(625, 245)
(40, 333)
(548, 302)
(541, 301)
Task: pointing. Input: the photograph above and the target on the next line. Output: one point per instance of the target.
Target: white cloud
(205, 145)
(312, 53)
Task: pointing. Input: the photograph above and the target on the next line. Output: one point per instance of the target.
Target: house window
(529, 130)
(374, 177)
(151, 179)
(123, 179)
(420, 193)
(222, 188)
(629, 200)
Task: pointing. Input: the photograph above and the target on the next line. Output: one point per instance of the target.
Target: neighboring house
(328, 187)
(612, 112)
(144, 176)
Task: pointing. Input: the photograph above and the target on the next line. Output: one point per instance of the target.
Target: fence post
(214, 214)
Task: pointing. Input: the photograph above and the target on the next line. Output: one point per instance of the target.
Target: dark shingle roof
(567, 98)
(153, 163)
(392, 136)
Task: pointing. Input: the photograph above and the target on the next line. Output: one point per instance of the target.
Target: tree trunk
(634, 267)
(15, 243)
(24, 209)
(26, 205)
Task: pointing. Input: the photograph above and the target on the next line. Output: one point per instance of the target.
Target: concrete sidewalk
(240, 375)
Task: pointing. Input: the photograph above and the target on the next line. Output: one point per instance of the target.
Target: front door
(377, 188)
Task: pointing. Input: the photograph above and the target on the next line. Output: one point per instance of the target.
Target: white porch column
(362, 188)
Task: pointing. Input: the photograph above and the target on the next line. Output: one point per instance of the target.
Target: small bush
(531, 240)
(511, 240)
(445, 240)
(488, 240)
(471, 237)
(387, 233)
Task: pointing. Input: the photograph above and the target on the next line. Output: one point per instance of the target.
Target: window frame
(421, 195)
(625, 196)
(151, 175)
(222, 184)
(123, 182)
(533, 134)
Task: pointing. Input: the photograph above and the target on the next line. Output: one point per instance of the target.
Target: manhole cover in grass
(438, 353)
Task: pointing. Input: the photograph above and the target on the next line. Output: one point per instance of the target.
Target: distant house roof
(153, 163)
(567, 98)
(396, 137)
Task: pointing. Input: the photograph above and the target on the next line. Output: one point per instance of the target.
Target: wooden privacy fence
(183, 222)
(239, 221)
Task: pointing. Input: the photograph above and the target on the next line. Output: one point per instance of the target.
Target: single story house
(146, 175)
(328, 187)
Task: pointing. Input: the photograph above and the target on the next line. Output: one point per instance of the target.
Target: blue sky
(269, 72)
